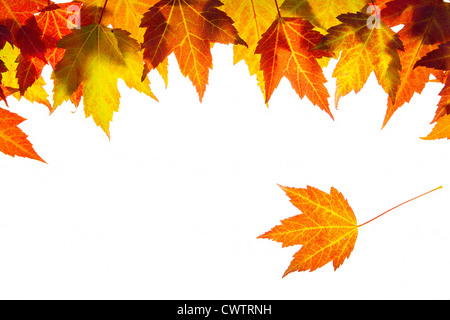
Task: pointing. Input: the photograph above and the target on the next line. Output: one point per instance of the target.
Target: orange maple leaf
(251, 18)
(13, 141)
(439, 60)
(425, 26)
(53, 22)
(326, 229)
(285, 50)
(364, 50)
(187, 28)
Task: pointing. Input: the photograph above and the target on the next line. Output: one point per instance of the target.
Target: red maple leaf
(18, 17)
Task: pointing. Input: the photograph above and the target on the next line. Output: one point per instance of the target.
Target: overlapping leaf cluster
(295, 39)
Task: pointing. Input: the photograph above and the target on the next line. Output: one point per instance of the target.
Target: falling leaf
(285, 50)
(326, 229)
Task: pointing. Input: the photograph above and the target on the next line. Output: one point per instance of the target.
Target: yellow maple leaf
(251, 18)
(123, 14)
(35, 93)
(96, 57)
(363, 51)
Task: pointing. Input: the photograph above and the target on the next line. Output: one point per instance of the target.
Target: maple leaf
(122, 14)
(36, 92)
(426, 24)
(285, 50)
(53, 23)
(53, 20)
(363, 51)
(96, 57)
(13, 141)
(440, 59)
(322, 14)
(18, 18)
(251, 19)
(326, 229)
(187, 28)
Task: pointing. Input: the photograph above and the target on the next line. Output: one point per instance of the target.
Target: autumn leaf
(187, 28)
(426, 24)
(252, 18)
(322, 14)
(36, 92)
(363, 51)
(96, 57)
(439, 59)
(18, 17)
(13, 141)
(53, 22)
(285, 50)
(326, 229)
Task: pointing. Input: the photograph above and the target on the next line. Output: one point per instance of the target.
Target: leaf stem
(399, 206)
(103, 11)
(278, 9)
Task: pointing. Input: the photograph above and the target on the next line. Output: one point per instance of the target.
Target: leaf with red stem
(326, 228)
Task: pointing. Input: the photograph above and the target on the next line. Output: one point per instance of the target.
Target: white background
(171, 207)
